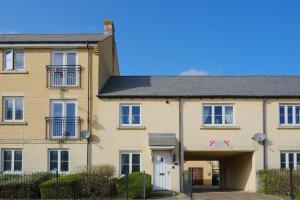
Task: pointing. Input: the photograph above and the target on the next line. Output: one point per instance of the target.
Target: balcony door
(63, 119)
(64, 73)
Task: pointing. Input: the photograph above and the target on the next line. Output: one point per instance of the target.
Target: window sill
(131, 128)
(14, 123)
(288, 127)
(220, 127)
(14, 72)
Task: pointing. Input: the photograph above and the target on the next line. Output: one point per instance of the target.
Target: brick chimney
(109, 26)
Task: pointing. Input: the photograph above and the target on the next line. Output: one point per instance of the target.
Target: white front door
(161, 168)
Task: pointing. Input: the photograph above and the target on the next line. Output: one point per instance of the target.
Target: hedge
(135, 185)
(23, 186)
(277, 181)
(68, 187)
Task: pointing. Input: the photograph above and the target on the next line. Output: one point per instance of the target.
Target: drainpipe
(88, 150)
(181, 150)
(265, 132)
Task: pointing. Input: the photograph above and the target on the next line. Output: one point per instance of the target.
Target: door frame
(153, 163)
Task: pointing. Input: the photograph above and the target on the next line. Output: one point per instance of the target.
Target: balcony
(63, 76)
(63, 128)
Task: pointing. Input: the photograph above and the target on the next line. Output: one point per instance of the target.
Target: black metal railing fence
(63, 75)
(63, 128)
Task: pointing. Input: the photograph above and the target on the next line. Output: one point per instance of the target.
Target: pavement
(213, 193)
(231, 195)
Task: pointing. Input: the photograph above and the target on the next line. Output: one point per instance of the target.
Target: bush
(277, 182)
(22, 185)
(135, 185)
(99, 181)
(68, 187)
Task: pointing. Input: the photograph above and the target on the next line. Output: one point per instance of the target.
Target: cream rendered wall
(156, 116)
(241, 172)
(248, 121)
(248, 116)
(280, 138)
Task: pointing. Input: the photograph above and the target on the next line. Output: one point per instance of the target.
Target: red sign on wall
(219, 143)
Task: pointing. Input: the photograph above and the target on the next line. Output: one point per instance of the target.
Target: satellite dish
(85, 134)
(259, 137)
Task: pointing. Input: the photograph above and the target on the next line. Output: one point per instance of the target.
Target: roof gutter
(189, 97)
(43, 44)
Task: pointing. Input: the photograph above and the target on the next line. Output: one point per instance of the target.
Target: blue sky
(169, 37)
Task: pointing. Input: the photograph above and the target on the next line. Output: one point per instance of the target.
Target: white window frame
(65, 52)
(13, 60)
(286, 115)
(13, 109)
(130, 153)
(64, 102)
(12, 160)
(287, 158)
(59, 160)
(223, 115)
(130, 115)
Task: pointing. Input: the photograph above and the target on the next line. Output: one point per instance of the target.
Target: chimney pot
(109, 26)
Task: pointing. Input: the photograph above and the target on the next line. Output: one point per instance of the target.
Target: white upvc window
(218, 115)
(130, 162)
(13, 59)
(59, 160)
(13, 109)
(289, 114)
(130, 115)
(63, 121)
(12, 160)
(64, 68)
(289, 160)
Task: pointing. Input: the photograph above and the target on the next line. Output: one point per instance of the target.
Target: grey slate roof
(201, 86)
(45, 38)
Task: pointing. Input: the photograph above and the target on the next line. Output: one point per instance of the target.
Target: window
(64, 69)
(130, 162)
(63, 119)
(130, 115)
(13, 109)
(218, 115)
(289, 115)
(12, 160)
(289, 160)
(13, 59)
(58, 160)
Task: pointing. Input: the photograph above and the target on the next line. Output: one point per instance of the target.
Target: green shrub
(22, 185)
(68, 187)
(135, 185)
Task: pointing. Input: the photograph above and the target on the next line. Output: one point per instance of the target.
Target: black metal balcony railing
(62, 128)
(63, 75)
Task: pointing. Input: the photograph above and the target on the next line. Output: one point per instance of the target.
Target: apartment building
(54, 87)
(47, 82)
